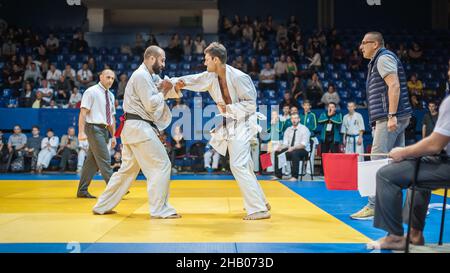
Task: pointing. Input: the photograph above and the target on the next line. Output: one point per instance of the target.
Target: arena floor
(40, 214)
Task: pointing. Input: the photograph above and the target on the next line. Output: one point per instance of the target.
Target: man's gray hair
(218, 50)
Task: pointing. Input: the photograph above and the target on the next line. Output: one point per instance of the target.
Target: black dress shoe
(85, 195)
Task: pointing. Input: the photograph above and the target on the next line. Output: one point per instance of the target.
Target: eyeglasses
(367, 42)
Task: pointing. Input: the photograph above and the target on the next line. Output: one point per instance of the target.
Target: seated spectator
(15, 80)
(151, 41)
(83, 147)
(415, 53)
(297, 49)
(67, 147)
(9, 48)
(125, 49)
(79, 45)
(199, 44)
(116, 161)
(247, 34)
(314, 90)
(47, 92)
(139, 44)
(93, 67)
(296, 145)
(286, 115)
(178, 145)
(239, 63)
(175, 49)
(339, 54)
(281, 68)
(123, 80)
(51, 105)
(331, 127)
(297, 89)
(291, 69)
(315, 60)
(410, 131)
(187, 45)
(281, 33)
(415, 87)
(33, 147)
(267, 77)
(32, 74)
(52, 43)
(49, 145)
(402, 53)
(75, 98)
(283, 46)
(429, 119)
(85, 77)
(355, 61)
(392, 179)
(330, 96)
(38, 101)
(288, 100)
(42, 53)
(62, 88)
(16, 142)
(27, 97)
(53, 75)
(69, 77)
(4, 153)
(415, 103)
(211, 158)
(253, 68)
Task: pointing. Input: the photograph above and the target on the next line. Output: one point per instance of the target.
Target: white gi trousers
(150, 156)
(214, 156)
(352, 147)
(241, 165)
(44, 157)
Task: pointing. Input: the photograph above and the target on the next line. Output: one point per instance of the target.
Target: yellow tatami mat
(212, 210)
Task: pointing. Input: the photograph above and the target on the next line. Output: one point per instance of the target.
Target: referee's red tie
(108, 108)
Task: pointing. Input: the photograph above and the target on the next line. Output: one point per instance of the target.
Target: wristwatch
(391, 115)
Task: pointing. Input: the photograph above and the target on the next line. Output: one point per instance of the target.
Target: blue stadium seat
(339, 84)
(321, 75)
(343, 94)
(6, 93)
(173, 66)
(134, 66)
(348, 75)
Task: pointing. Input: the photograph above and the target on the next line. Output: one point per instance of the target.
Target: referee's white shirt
(94, 100)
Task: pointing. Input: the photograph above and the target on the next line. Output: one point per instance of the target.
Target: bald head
(154, 51)
(107, 77)
(154, 59)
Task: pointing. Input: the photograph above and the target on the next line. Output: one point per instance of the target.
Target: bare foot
(416, 237)
(258, 216)
(293, 179)
(172, 216)
(389, 242)
(106, 212)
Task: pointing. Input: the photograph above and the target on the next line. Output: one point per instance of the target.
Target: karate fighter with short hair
(235, 95)
(145, 108)
(353, 130)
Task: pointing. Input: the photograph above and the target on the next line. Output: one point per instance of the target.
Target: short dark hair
(218, 50)
(306, 102)
(35, 126)
(332, 102)
(50, 130)
(377, 36)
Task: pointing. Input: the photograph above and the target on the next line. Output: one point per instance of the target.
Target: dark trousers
(329, 147)
(294, 157)
(65, 156)
(394, 177)
(97, 157)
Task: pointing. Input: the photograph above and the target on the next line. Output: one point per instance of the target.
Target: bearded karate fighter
(145, 112)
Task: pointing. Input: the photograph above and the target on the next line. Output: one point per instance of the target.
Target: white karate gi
(211, 155)
(47, 153)
(142, 148)
(83, 146)
(241, 126)
(351, 126)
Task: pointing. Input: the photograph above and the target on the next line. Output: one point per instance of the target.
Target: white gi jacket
(143, 98)
(242, 118)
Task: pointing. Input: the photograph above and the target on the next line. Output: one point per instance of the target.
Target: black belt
(129, 116)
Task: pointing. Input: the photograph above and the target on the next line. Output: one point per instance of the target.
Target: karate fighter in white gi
(353, 131)
(235, 96)
(145, 108)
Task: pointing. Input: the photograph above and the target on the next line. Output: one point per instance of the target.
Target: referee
(96, 123)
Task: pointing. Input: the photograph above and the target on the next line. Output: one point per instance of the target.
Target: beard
(156, 67)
